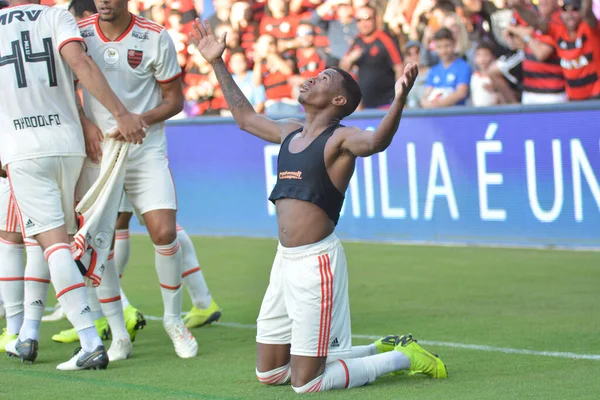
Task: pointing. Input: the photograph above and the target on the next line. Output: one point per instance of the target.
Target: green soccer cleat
(197, 317)
(134, 321)
(5, 338)
(71, 336)
(387, 343)
(421, 361)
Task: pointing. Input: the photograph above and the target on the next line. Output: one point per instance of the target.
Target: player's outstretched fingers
(198, 33)
(208, 28)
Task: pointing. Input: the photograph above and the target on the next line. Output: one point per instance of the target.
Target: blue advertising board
(512, 178)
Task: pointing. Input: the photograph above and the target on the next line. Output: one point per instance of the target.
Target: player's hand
(93, 137)
(205, 41)
(406, 82)
(130, 128)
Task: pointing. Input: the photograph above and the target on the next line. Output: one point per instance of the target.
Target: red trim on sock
(111, 255)
(11, 279)
(272, 379)
(169, 251)
(32, 279)
(110, 300)
(77, 286)
(170, 287)
(316, 387)
(191, 271)
(52, 249)
(347, 373)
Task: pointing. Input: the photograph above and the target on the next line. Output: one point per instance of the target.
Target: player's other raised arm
(244, 114)
(366, 143)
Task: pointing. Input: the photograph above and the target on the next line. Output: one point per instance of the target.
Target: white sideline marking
(478, 347)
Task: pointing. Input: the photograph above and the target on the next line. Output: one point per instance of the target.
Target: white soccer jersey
(38, 112)
(135, 64)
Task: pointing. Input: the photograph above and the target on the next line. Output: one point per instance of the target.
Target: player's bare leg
(11, 284)
(161, 226)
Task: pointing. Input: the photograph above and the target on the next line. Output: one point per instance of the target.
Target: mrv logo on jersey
(36, 121)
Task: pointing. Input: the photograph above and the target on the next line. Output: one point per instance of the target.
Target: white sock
(37, 282)
(71, 294)
(124, 300)
(357, 352)
(12, 284)
(109, 295)
(93, 302)
(350, 373)
(168, 268)
(277, 376)
(122, 249)
(193, 279)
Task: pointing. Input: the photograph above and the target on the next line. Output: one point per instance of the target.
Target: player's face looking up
(111, 10)
(323, 90)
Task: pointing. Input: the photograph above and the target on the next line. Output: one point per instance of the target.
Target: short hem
(311, 353)
(271, 341)
(158, 207)
(30, 233)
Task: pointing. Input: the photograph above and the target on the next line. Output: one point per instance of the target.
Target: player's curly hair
(351, 91)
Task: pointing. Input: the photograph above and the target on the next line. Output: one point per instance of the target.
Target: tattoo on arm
(237, 102)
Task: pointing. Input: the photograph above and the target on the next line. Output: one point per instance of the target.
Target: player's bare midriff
(301, 223)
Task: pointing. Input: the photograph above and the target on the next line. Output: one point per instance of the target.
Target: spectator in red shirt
(178, 37)
(278, 23)
(201, 88)
(378, 60)
(543, 80)
(577, 42)
(241, 21)
(273, 72)
(308, 61)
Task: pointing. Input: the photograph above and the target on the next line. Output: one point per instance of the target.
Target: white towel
(97, 212)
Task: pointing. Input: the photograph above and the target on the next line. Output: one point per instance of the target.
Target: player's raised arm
(244, 114)
(366, 143)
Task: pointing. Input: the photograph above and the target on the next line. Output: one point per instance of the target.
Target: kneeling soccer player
(304, 323)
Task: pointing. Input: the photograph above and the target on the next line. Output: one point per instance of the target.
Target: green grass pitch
(508, 298)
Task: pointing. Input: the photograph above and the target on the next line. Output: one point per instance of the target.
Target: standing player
(11, 269)
(304, 320)
(139, 61)
(43, 151)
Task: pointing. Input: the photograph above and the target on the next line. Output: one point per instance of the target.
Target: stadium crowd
(470, 52)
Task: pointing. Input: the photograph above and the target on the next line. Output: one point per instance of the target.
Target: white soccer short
(44, 190)
(149, 185)
(9, 217)
(306, 304)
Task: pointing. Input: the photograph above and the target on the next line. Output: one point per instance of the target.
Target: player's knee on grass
(278, 376)
(310, 387)
(306, 369)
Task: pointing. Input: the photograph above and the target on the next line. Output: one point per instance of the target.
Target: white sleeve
(166, 67)
(65, 29)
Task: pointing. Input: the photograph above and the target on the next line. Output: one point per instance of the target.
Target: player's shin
(350, 373)
(169, 267)
(109, 295)
(71, 294)
(122, 250)
(193, 279)
(37, 282)
(11, 284)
